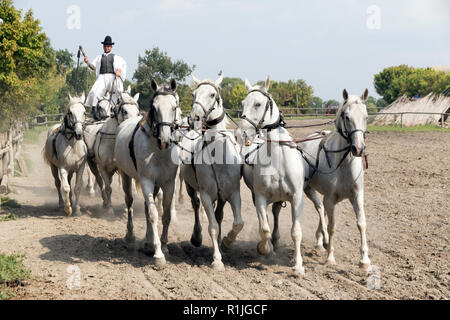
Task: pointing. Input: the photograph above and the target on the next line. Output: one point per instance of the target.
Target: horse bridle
(69, 125)
(120, 110)
(207, 124)
(269, 105)
(345, 133)
(154, 125)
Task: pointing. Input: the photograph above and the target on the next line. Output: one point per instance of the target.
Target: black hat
(108, 41)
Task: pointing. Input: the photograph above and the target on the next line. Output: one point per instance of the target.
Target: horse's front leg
(358, 205)
(77, 189)
(213, 229)
(322, 230)
(126, 187)
(153, 244)
(265, 247)
(168, 192)
(238, 223)
(297, 205)
(196, 238)
(66, 190)
(329, 209)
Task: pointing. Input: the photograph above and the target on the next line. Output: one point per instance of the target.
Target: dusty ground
(407, 192)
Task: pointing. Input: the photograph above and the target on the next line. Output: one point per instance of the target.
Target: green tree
(156, 64)
(26, 58)
(64, 61)
(238, 93)
(394, 82)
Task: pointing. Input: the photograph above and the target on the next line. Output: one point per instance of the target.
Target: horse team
(154, 149)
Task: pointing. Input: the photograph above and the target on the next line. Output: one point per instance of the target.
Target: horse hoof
(110, 211)
(164, 249)
(299, 271)
(226, 245)
(320, 248)
(265, 250)
(196, 241)
(160, 262)
(77, 213)
(218, 266)
(68, 211)
(130, 238)
(365, 266)
(331, 262)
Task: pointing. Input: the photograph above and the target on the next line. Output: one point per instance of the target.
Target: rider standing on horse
(108, 67)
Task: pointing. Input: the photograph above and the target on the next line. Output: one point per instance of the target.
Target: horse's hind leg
(126, 186)
(238, 223)
(276, 208)
(55, 174)
(196, 238)
(180, 181)
(94, 169)
(358, 205)
(107, 179)
(66, 188)
(77, 189)
(322, 232)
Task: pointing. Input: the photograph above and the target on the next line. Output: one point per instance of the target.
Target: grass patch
(8, 217)
(397, 128)
(12, 273)
(31, 136)
(9, 203)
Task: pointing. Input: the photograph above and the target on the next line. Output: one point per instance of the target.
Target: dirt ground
(407, 192)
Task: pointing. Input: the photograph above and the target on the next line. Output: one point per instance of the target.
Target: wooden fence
(11, 154)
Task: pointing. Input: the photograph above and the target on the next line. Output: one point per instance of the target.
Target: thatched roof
(431, 103)
(445, 69)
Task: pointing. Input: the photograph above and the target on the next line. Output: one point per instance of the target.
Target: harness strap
(131, 145)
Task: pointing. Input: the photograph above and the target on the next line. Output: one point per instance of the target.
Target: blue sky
(327, 43)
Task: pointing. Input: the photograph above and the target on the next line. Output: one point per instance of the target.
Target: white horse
(212, 166)
(143, 152)
(66, 153)
(337, 169)
(104, 144)
(274, 170)
(100, 113)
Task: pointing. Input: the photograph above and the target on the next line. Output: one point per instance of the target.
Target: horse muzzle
(358, 151)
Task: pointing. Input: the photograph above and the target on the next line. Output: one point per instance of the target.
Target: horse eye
(258, 105)
(213, 95)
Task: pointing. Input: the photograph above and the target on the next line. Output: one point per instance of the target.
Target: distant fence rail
(10, 154)
(288, 113)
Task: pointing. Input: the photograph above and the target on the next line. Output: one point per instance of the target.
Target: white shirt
(119, 63)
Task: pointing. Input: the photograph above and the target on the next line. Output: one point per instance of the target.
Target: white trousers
(104, 83)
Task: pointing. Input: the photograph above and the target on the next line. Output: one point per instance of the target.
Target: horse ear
(365, 95)
(136, 97)
(107, 96)
(83, 97)
(173, 85)
(248, 85)
(345, 95)
(154, 85)
(129, 90)
(219, 81)
(69, 97)
(267, 84)
(195, 81)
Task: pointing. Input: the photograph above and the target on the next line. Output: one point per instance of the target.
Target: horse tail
(44, 156)
(138, 187)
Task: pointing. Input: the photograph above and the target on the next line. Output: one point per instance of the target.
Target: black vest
(107, 65)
